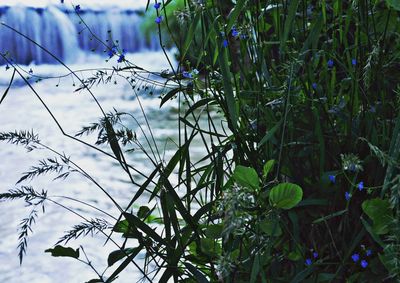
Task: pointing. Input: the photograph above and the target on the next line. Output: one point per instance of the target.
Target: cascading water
(62, 33)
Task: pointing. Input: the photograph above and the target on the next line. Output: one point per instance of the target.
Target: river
(21, 110)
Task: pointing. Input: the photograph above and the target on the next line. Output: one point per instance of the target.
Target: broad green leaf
(267, 167)
(121, 226)
(380, 212)
(246, 177)
(117, 255)
(271, 228)
(285, 195)
(214, 231)
(143, 211)
(60, 251)
(294, 255)
(210, 247)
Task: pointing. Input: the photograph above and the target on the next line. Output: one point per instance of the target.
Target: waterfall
(65, 35)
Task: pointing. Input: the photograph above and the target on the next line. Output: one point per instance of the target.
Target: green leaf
(9, 86)
(117, 255)
(233, 16)
(285, 195)
(294, 255)
(121, 226)
(214, 231)
(210, 247)
(200, 277)
(143, 211)
(246, 177)
(137, 223)
(380, 212)
(190, 34)
(255, 269)
(169, 95)
(289, 22)
(395, 4)
(332, 215)
(271, 227)
(267, 167)
(60, 251)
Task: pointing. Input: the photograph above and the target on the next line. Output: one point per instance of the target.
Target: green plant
(299, 181)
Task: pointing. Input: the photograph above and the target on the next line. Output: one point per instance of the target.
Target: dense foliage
(299, 183)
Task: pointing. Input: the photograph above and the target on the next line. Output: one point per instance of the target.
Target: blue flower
(360, 186)
(158, 20)
(314, 85)
(157, 6)
(235, 33)
(332, 178)
(121, 57)
(368, 253)
(77, 8)
(225, 43)
(347, 196)
(187, 75)
(315, 254)
(364, 263)
(308, 261)
(355, 257)
(330, 63)
(354, 61)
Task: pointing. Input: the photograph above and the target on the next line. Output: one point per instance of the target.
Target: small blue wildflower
(347, 196)
(315, 254)
(77, 8)
(187, 75)
(110, 53)
(308, 261)
(354, 61)
(360, 186)
(332, 179)
(157, 6)
(235, 33)
(364, 263)
(158, 20)
(121, 58)
(330, 63)
(368, 253)
(355, 257)
(225, 43)
(314, 85)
